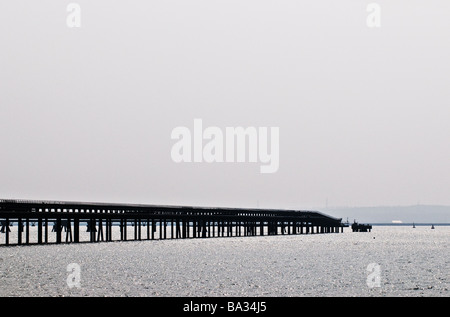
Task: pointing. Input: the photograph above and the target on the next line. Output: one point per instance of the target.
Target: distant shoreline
(392, 215)
(411, 224)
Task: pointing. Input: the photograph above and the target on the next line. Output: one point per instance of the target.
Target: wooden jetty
(149, 222)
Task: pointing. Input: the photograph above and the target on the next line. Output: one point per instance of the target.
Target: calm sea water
(389, 261)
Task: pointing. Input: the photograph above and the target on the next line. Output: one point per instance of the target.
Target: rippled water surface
(411, 262)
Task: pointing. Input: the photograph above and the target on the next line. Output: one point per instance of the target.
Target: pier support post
(76, 230)
(204, 229)
(46, 230)
(100, 230)
(27, 231)
(39, 237)
(19, 231)
(165, 228)
(69, 231)
(108, 229)
(153, 228)
(92, 229)
(172, 232)
(178, 230)
(110, 222)
(58, 230)
(7, 231)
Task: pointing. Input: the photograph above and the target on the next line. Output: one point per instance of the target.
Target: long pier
(25, 222)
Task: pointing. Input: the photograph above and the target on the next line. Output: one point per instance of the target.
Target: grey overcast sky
(86, 113)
